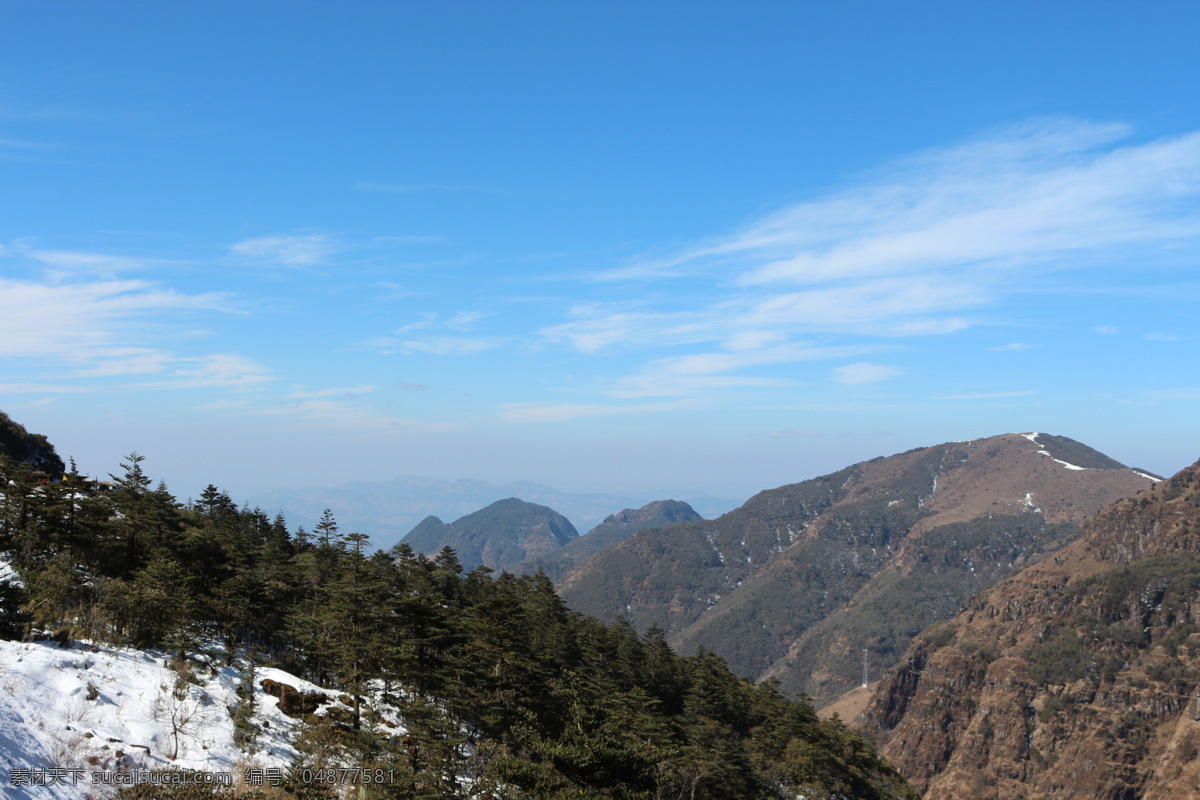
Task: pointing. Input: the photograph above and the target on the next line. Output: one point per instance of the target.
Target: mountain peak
(499, 536)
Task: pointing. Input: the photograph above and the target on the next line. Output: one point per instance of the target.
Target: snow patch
(1144, 475)
(78, 707)
(7, 573)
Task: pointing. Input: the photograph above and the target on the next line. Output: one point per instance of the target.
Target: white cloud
(1040, 191)
(68, 262)
(908, 251)
(287, 250)
(461, 321)
(80, 322)
(1108, 330)
(1013, 347)
(221, 370)
(40, 388)
(864, 372)
(437, 345)
(698, 373)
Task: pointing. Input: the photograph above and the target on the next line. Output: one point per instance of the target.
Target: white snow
(138, 710)
(1059, 460)
(7, 573)
(1144, 475)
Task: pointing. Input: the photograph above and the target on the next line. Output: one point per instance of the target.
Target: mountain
(387, 510)
(798, 581)
(615, 529)
(500, 536)
(28, 448)
(1077, 677)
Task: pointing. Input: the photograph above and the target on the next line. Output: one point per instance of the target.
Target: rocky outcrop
(31, 449)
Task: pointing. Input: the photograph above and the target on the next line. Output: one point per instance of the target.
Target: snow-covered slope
(104, 711)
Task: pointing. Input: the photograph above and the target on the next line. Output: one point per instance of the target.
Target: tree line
(504, 692)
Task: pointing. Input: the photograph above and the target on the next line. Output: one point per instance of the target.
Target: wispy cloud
(41, 388)
(700, 373)
(461, 321)
(1183, 393)
(70, 262)
(864, 372)
(217, 371)
(1039, 191)
(79, 322)
(286, 250)
(1013, 347)
(930, 246)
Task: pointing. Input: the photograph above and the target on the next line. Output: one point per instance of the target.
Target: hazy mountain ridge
(1077, 677)
(796, 582)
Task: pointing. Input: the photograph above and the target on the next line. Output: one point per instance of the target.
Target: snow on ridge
(1145, 475)
(1031, 437)
(1066, 464)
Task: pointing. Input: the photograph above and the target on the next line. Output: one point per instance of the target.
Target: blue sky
(604, 246)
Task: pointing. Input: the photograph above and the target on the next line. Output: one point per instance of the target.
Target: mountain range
(527, 538)
(800, 580)
(387, 510)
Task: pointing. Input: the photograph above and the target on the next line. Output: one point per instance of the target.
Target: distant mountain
(29, 448)
(500, 536)
(1077, 677)
(615, 529)
(387, 510)
(798, 581)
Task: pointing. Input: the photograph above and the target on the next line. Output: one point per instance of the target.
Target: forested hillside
(503, 692)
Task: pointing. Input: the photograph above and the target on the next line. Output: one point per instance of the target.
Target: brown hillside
(1078, 677)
